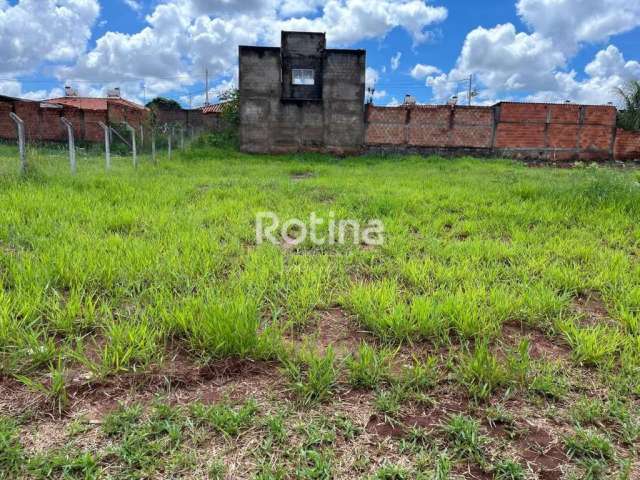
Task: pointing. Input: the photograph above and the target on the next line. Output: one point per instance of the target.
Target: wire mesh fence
(119, 145)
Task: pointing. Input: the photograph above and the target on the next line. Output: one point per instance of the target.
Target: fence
(520, 130)
(108, 140)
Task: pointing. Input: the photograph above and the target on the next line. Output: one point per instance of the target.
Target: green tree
(629, 116)
(162, 103)
(230, 100)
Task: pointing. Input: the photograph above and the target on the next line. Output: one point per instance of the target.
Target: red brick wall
(7, 127)
(554, 132)
(627, 145)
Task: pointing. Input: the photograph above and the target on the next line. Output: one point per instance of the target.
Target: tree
(230, 100)
(161, 103)
(629, 116)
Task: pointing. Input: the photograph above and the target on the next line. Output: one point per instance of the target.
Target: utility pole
(470, 88)
(206, 86)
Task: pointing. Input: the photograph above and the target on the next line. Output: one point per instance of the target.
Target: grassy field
(145, 334)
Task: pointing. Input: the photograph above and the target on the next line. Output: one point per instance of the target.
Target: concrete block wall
(278, 120)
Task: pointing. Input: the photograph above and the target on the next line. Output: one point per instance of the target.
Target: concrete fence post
(72, 144)
(169, 132)
(181, 138)
(21, 142)
(107, 145)
(141, 138)
(153, 146)
(133, 144)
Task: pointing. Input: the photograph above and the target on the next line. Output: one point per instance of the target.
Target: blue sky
(536, 50)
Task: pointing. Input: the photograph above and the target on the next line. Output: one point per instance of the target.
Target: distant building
(42, 118)
(301, 96)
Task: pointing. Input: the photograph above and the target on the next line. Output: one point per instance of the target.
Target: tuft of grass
(225, 418)
(587, 444)
(593, 346)
(54, 390)
(481, 372)
(508, 469)
(464, 437)
(389, 402)
(420, 375)
(12, 456)
(313, 377)
(370, 367)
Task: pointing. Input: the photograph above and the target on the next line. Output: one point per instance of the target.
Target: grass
(112, 282)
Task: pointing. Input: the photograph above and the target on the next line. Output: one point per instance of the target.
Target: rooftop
(90, 103)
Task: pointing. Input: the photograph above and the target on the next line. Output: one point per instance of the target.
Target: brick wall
(527, 130)
(43, 123)
(627, 146)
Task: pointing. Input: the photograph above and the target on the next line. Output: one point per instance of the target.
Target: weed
(508, 470)
(464, 436)
(593, 346)
(481, 372)
(420, 376)
(369, 367)
(11, 452)
(314, 465)
(313, 377)
(586, 444)
(224, 418)
(391, 472)
(55, 390)
(389, 402)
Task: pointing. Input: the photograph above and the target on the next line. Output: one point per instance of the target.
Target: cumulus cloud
(182, 37)
(421, 72)
(507, 63)
(567, 23)
(608, 71)
(34, 31)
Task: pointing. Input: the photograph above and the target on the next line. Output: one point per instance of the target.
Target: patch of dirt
(542, 452)
(333, 327)
(430, 418)
(297, 176)
(473, 472)
(541, 345)
(591, 308)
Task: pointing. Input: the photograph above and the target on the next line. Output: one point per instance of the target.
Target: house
(301, 96)
(42, 118)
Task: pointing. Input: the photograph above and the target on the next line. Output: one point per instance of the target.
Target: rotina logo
(269, 228)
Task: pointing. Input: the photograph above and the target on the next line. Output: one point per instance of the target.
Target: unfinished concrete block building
(301, 96)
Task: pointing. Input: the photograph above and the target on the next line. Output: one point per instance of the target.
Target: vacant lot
(145, 334)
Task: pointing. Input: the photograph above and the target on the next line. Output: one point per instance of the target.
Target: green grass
(109, 276)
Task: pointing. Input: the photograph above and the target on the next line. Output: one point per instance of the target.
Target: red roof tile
(86, 103)
(216, 108)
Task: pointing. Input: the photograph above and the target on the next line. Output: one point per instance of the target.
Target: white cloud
(135, 5)
(421, 72)
(13, 88)
(605, 73)
(567, 23)
(34, 31)
(371, 77)
(349, 21)
(184, 36)
(395, 61)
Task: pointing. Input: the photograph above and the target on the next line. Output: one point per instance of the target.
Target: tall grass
(111, 270)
